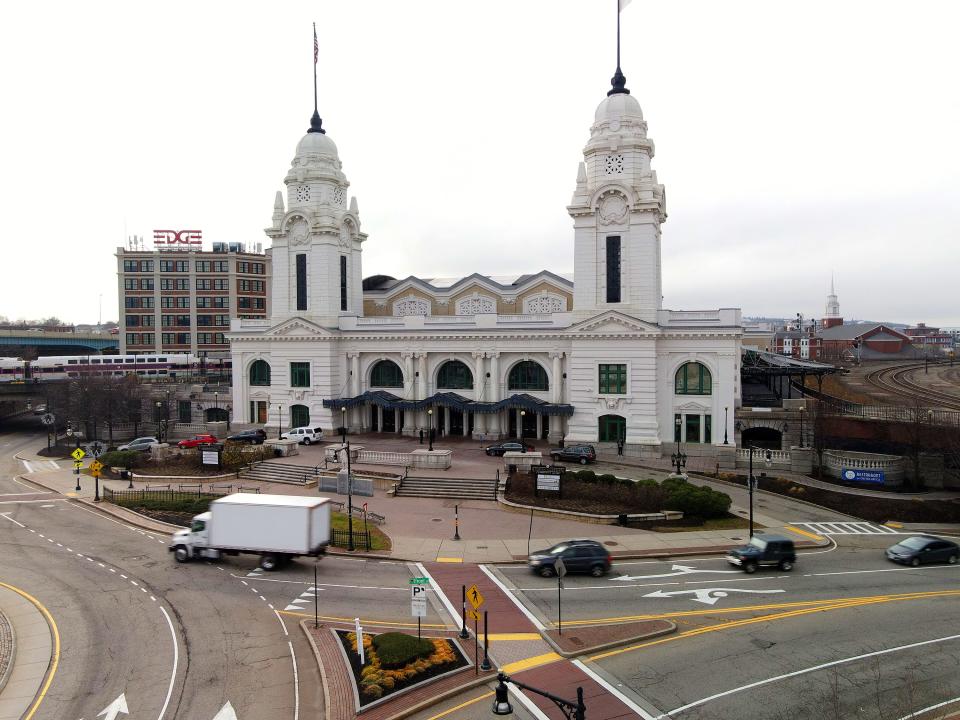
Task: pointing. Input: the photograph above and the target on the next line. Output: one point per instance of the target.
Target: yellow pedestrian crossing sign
(96, 466)
(474, 596)
(473, 614)
(78, 454)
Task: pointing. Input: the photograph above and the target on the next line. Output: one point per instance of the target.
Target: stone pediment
(693, 405)
(297, 328)
(615, 323)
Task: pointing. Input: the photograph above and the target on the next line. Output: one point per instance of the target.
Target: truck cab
(195, 542)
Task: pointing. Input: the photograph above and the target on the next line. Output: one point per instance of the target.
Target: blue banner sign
(865, 476)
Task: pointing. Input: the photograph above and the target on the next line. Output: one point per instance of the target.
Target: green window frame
(260, 373)
(454, 375)
(386, 373)
(693, 378)
(300, 374)
(528, 375)
(299, 416)
(613, 379)
(707, 429)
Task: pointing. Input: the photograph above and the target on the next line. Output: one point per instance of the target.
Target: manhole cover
(610, 542)
(436, 519)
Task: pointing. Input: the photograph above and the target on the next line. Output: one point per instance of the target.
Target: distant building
(866, 341)
(183, 301)
(804, 344)
(930, 339)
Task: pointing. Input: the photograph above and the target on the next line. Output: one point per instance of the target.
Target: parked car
(921, 549)
(197, 440)
(251, 437)
(142, 444)
(304, 435)
(764, 551)
(500, 448)
(587, 556)
(39, 409)
(582, 454)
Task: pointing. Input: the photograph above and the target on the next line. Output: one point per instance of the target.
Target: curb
(607, 645)
(11, 661)
(323, 674)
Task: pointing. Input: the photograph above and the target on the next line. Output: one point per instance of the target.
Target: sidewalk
(29, 653)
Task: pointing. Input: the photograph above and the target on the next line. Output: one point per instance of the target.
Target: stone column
(494, 424)
(556, 396)
(409, 387)
(421, 390)
(479, 376)
(358, 412)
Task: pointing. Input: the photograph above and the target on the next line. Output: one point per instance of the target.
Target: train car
(12, 370)
(158, 365)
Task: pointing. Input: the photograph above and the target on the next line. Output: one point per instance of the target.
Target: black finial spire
(316, 124)
(619, 80)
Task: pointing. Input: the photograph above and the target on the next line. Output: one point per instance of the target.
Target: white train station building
(592, 358)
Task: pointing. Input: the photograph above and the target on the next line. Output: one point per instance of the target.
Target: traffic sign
(48, 419)
(474, 596)
(474, 614)
(560, 568)
(419, 581)
(418, 600)
(96, 466)
(78, 464)
(78, 454)
(95, 449)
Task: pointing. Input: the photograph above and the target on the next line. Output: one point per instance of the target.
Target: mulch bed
(586, 639)
(400, 685)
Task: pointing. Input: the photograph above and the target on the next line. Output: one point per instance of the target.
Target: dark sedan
(500, 448)
(582, 454)
(586, 556)
(251, 437)
(921, 549)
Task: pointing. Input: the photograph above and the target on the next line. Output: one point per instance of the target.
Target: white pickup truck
(278, 528)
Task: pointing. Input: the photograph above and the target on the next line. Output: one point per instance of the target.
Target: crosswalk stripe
(849, 528)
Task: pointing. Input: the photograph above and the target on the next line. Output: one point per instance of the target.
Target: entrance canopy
(384, 399)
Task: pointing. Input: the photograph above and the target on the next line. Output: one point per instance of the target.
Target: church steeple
(832, 316)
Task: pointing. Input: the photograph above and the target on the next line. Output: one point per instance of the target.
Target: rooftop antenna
(316, 124)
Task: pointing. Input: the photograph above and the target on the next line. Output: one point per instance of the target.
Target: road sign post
(561, 570)
(95, 467)
(359, 631)
(418, 599)
(485, 665)
(463, 613)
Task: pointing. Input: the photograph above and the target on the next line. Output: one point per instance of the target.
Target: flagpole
(315, 60)
(618, 35)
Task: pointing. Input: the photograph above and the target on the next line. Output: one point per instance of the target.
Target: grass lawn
(379, 540)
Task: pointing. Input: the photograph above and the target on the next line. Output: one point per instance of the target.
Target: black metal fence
(341, 538)
(135, 497)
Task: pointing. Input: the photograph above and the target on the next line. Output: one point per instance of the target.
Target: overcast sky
(794, 139)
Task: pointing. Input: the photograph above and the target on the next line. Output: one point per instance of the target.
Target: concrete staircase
(452, 488)
(280, 472)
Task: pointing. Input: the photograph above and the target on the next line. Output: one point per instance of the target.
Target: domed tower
(832, 316)
(617, 209)
(317, 241)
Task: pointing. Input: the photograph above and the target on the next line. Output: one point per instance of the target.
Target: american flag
(316, 45)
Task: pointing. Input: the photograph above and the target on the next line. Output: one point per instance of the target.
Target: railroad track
(896, 380)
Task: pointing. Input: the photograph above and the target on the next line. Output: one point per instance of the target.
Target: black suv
(500, 448)
(586, 556)
(764, 550)
(582, 454)
(253, 437)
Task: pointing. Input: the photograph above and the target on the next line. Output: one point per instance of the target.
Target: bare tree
(917, 429)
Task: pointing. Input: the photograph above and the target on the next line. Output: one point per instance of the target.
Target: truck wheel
(786, 565)
(269, 562)
(181, 554)
(306, 441)
(750, 567)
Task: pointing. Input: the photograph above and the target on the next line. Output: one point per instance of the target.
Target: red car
(196, 441)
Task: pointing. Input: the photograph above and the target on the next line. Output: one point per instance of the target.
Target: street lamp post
(501, 704)
(750, 488)
(279, 421)
(159, 427)
(343, 423)
(725, 426)
(678, 458)
(430, 418)
(523, 447)
(349, 501)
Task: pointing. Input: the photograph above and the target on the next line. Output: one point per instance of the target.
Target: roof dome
(617, 106)
(315, 143)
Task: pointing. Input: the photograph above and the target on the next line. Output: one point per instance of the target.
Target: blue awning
(388, 400)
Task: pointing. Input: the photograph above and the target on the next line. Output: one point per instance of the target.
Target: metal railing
(341, 538)
(377, 457)
(133, 497)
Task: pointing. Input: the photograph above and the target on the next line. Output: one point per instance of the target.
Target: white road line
(529, 615)
(12, 520)
(34, 492)
(886, 570)
(918, 713)
(804, 671)
(296, 683)
(282, 623)
(613, 690)
(333, 585)
(659, 584)
(176, 659)
(25, 502)
(27, 465)
(454, 615)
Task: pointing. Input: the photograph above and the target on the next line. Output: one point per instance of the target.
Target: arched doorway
(762, 437)
(386, 373)
(611, 428)
(299, 416)
(454, 375)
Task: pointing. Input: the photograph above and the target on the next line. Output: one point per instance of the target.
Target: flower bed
(414, 661)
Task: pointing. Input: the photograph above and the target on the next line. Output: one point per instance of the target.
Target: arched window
(260, 373)
(527, 375)
(612, 428)
(299, 416)
(693, 379)
(454, 375)
(386, 373)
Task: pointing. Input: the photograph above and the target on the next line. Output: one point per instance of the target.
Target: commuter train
(64, 367)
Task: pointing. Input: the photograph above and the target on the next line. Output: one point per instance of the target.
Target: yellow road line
(891, 523)
(514, 636)
(530, 662)
(798, 531)
(838, 605)
(362, 621)
(449, 560)
(55, 660)
(461, 705)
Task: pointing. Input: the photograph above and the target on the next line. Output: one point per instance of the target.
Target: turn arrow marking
(226, 713)
(708, 596)
(678, 570)
(118, 706)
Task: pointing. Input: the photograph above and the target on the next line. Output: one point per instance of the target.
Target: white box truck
(275, 527)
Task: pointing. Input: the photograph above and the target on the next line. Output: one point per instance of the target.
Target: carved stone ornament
(346, 233)
(613, 209)
(299, 232)
(613, 404)
(299, 394)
